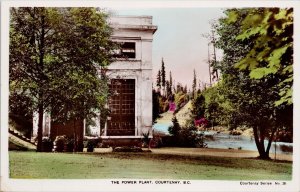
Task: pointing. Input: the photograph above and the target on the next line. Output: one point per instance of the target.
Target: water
(226, 141)
(162, 127)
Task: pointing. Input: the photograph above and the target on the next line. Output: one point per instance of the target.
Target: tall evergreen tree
(158, 79)
(171, 81)
(185, 89)
(194, 86)
(163, 75)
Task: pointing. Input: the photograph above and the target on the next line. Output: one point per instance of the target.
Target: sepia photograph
(149, 96)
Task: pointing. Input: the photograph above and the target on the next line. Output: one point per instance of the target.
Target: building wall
(139, 30)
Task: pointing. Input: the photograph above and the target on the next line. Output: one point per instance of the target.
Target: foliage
(171, 82)
(91, 144)
(194, 85)
(252, 98)
(198, 106)
(155, 106)
(146, 139)
(218, 109)
(158, 79)
(163, 74)
(180, 99)
(163, 104)
(21, 123)
(174, 130)
(189, 137)
(59, 143)
(184, 136)
(70, 143)
(55, 56)
(47, 144)
(271, 31)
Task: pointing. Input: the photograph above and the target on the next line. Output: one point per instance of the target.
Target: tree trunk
(41, 95)
(259, 141)
(75, 136)
(40, 128)
(271, 140)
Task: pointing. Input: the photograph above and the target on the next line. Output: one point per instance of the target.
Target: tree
(253, 89)
(185, 89)
(163, 75)
(55, 56)
(175, 128)
(158, 79)
(168, 89)
(155, 105)
(198, 106)
(269, 56)
(194, 86)
(171, 82)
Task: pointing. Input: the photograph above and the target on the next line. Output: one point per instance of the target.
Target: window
(127, 50)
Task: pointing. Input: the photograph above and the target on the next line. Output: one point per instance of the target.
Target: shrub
(47, 144)
(184, 137)
(156, 141)
(146, 139)
(174, 130)
(59, 143)
(188, 137)
(91, 144)
(69, 144)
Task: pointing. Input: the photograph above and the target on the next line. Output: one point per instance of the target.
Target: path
(205, 152)
(216, 152)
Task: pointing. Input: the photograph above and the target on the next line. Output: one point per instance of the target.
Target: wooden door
(122, 106)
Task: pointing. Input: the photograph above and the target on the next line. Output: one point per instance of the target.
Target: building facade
(131, 79)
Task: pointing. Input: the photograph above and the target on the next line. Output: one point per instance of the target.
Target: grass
(143, 166)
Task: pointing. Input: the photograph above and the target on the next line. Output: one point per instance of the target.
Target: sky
(178, 40)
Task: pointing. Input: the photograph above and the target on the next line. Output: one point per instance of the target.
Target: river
(226, 141)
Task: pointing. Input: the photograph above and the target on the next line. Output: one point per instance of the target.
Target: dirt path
(205, 152)
(216, 152)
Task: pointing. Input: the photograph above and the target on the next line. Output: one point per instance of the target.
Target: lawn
(143, 166)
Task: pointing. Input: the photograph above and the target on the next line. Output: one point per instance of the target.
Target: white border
(105, 185)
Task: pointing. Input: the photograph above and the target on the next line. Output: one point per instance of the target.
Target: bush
(174, 130)
(184, 137)
(69, 145)
(91, 144)
(146, 139)
(59, 143)
(188, 137)
(156, 141)
(47, 144)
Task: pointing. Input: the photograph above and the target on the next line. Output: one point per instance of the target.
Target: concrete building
(131, 78)
(130, 82)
